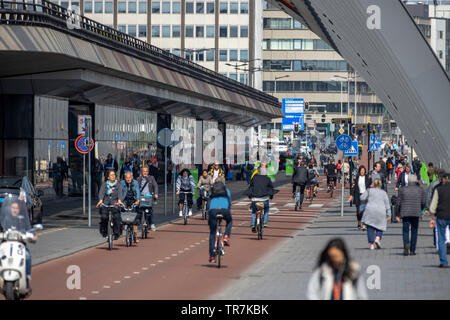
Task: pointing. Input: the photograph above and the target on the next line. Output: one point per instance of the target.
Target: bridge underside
(396, 61)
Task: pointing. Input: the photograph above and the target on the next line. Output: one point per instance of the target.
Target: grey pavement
(284, 272)
(66, 229)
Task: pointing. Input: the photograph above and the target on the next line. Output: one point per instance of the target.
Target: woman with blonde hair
(376, 213)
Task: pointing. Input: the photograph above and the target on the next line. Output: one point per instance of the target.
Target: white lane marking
(117, 281)
(153, 265)
(127, 277)
(167, 258)
(144, 268)
(136, 272)
(316, 205)
(160, 261)
(289, 204)
(192, 246)
(181, 251)
(83, 298)
(197, 243)
(242, 203)
(106, 287)
(95, 292)
(174, 254)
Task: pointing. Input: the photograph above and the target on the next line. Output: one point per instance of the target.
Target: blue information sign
(343, 142)
(353, 150)
(373, 138)
(293, 107)
(288, 122)
(373, 147)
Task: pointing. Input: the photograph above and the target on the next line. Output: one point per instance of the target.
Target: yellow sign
(341, 131)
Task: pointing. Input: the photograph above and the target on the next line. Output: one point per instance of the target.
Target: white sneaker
(153, 227)
(190, 213)
(181, 213)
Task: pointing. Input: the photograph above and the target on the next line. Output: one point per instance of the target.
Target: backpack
(218, 190)
(389, 165)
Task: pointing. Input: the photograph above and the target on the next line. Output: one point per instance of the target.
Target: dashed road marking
(106, 287)
(167, 258)
(144, 268)
(181, 251)
(95, 292)
(153, 265)
(174, 254)
(192, 246)
(117, 281)
(127, 277)
(160, 261)
(197, 243)
(83, 298)
(136, 272)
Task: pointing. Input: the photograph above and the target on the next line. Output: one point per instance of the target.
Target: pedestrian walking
(376, 213)
(97, 177)
(362, 183)
(336, 276)
(411, 201)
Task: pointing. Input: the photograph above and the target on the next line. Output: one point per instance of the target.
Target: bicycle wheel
(258, 227)
(331, 192)
(185, 213)
(110, 236)
(311, 193)
(127, 237)
(219, 253)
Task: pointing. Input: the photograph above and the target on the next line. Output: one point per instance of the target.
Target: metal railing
(47, 14)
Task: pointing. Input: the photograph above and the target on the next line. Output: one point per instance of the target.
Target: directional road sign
(343, 142)
(293, 107)
(353, 150)
(287, 123)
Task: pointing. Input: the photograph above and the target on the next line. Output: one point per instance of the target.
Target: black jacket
(356, 192)
(401, 179)
(300, 175)
(260, 186)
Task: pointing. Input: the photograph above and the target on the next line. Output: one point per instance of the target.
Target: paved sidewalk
(284, 272)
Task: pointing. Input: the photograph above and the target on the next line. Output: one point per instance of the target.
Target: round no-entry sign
(81, 145)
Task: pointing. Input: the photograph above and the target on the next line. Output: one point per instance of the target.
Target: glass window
(200, 7)
(88, 7)
(244, 9)
(98, 7)
(234, 7)
(189, 55)
(244, 55)
(223, 55)
(132, 30)
(200, 56)
(142, 30)
(165, 7)
(210, 31)
(143, 6)
(176, 31)
(73, 4)
(189, 7)
(233, 76)
(244, 31)
(176, 7)
(223, 31)
(122, 7)
(243, 78)
(200, 31)
(166, 31)
(297, 65)
(65, 4)
(122, 28)
(109, 7)
(210, 7)
(156, 6)
(189, 31)
(156, 31)
(131, 6)
(233, 31)
(223, 7)
(233, 55)
(210, 55)
(177, 52)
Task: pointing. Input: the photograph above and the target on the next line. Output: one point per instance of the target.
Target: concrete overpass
(395, 60)
(41, 55)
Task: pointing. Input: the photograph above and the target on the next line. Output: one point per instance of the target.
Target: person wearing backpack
(147, 186)
(313, 179)
(219, 203)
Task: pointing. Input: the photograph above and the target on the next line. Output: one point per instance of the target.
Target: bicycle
(259, 223)
(331, 186)
(204, 195)
(128, 217)
(219, 245)
(109, 237)
(298, 204)
(310, 193)
(185, 207)
(146, 204)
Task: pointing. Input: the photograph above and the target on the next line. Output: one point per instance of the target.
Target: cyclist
(339, 169)
(185, 183)
(131, 195)
(313, 179)
(299, 178)
(331, 172)
(204, 181)
(220, 203)
(216, 171)
(110, 193)
(260, 190)
(147, 186)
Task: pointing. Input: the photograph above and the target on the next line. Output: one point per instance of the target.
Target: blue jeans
(372, 233)
(441, 225)
(414, 223)
(212, 221)
(28, 261)
(266, 212)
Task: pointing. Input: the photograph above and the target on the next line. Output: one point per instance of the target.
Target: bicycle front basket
(128, 217)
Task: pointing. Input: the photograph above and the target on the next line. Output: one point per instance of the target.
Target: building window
(210, 7)
(131, 7)
(189, 7)
(223, 7)
(189, 32)
(142, 31)
(132, 30)
(165, 7)
(233, 76)
(156, 6)
(200, 31)
(223, 55)
(143, 6)
(223, 31)
(176, 7)
(243, 78)
(166, 31)
(176, 31)
(244, 8)
(189, 55)
(244, 31)
(122, 28)
(210, 55)
(210, 31)
(244, 55)
(234, 7)
(122, 7)
(200, 56)
(440, 54)
(98, 7)
(109, 7)
(88, 7)
(156, 31)
(233, 55)
(441, 34)
(75, 4)
(200, 7)
(65, 4)
(233, 31)
(177, 52)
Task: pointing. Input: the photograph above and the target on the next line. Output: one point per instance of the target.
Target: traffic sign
(81, 145)
(287, 123)
(341, 131)
(293, 107)
(82, 123)
(373, 147)
(353, 150)
(373, 138)
(165, 137)
(378, 143)
(343, 142)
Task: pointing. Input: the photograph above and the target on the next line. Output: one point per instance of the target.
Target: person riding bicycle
(216, 171)
(313, 178)
(299, 178)
(220, 203)
(260, 190)
(331, 172)
(185, 183)
(204, 181)
(147, 186)
(131, 195)
(109, 194)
